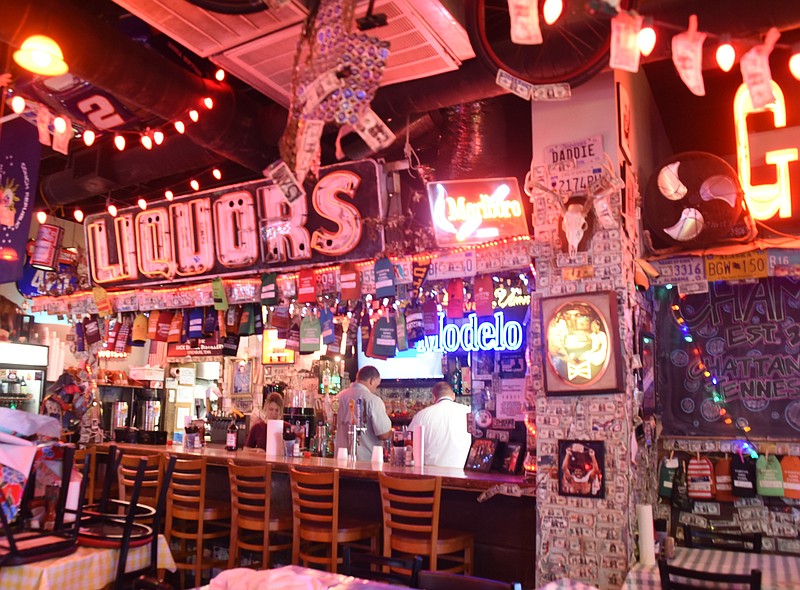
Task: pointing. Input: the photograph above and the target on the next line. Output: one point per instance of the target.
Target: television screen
(408, 364)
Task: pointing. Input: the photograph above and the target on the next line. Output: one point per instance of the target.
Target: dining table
(778, 572)
(291, 577)
(87, 568)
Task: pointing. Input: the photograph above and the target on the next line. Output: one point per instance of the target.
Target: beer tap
(356, 428)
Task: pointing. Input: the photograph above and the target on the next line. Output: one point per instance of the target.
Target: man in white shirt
(446, 438)
(379, 426)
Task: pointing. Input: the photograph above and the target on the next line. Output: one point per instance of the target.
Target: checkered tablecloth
(778, 572)
(86, 569)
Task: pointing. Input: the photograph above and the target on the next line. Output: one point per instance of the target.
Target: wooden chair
(691, 579)
(411, 524)
(697, 538)
(317, 525)
(252, 520)
(151, 485)
(392, 570)
(80, 456)
(191, 516)
(428, 580)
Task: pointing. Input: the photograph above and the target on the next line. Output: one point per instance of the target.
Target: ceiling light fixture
(142, 204)
(169, 195)
(194, 115)
(194, 184)
(41, 55)
(41, 217)
(208, 102)
(219, 75)
(552, 10)
(726, 54)
(647, 37)
(180, 127)
(18, 104)
(216, 173)
(88, 137)
(78, 214)
(119, 141)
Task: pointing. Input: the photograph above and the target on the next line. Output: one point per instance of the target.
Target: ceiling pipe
(137, 75)
(100, 170)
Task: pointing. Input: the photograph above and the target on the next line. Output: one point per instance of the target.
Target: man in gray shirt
(379, 426)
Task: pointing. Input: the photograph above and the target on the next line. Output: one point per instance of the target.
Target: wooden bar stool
(252, 521)
(80, 455)
(411, 524)
(151, 485)
(317, 525)
(192, 517)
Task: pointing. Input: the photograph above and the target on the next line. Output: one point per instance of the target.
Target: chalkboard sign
(748, 335)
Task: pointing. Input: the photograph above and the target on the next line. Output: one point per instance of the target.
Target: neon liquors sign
(241, 228)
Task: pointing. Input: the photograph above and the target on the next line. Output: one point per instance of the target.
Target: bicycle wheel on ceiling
(573, 50)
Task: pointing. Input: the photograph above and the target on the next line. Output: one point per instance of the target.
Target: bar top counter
(452, 478)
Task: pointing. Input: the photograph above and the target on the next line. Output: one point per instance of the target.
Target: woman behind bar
(273, 408)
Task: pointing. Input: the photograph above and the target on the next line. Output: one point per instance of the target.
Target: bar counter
(504, 526)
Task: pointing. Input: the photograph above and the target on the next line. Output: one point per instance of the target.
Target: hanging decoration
(335, 75)
(687, 56)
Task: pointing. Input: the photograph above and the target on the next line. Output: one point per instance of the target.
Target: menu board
(748, 335)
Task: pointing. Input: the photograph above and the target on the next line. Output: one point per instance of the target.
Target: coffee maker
(148, 417)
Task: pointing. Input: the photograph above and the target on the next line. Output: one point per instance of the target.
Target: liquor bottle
(457, 382)
(231, 438)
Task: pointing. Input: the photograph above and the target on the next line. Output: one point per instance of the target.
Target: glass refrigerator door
(22, 375)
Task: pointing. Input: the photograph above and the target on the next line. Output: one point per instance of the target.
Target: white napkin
(275, 579)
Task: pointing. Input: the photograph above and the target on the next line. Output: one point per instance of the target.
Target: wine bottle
(231, 439)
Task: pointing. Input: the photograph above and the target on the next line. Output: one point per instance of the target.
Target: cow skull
(573, 215)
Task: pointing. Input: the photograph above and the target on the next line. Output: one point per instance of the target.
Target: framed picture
(513, 455)
(242, 373)
(581, 468)
(481, 455)
(647, 352)
(582, 349)
(482, 364)
(624, 122)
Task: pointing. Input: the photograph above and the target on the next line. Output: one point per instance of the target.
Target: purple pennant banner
(19, 172)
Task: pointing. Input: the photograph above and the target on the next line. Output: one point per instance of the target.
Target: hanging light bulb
(158, 137)
(41, 217)
(78, 214)
(216, 173)
(194, 115)
(208, 102)
(142, 204)
(88, 137)
(59, 124)
(119, 141)
(147, 142)
(647, 38)
(219, 75)
(18, 104)
(169, 195)
(794, 62)
(41, 55)
(112, 209)
(180, 127)
(726, 54)
(552, 10)
(194, 184)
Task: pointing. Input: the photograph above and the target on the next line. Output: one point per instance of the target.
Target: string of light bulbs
(711, 380)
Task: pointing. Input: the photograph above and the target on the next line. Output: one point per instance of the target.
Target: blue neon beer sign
(473, 335)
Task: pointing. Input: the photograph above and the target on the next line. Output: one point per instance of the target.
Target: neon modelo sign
(241, 228)
(497, 335)
(476, 211)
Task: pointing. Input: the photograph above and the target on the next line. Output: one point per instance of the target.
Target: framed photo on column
(581, 344)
